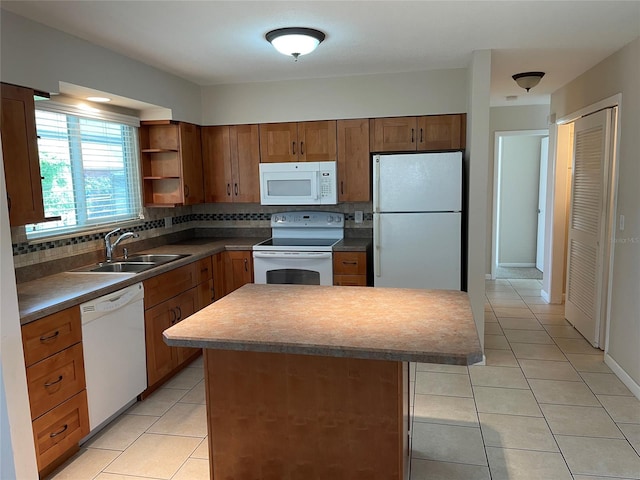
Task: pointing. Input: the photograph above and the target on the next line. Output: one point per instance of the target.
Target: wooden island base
(274, 416)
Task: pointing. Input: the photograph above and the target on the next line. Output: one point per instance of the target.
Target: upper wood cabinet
(20, 155)
(298, 142)
(442, 132)
(171, 157)
(426, 133)
(354, 161)
(231, 158)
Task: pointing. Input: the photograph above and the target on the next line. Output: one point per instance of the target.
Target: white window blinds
(90, 168)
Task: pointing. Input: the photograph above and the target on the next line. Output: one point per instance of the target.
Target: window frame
(134, 187)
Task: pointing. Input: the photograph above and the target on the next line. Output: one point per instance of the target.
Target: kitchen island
(310, 382)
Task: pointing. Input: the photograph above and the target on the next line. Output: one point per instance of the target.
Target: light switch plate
(359, 216)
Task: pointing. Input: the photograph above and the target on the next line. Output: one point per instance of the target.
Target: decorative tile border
(26, 247)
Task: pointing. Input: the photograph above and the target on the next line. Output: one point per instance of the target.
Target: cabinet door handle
(341, 187)
(293, 147)
(246, 265)
(228, 189)
(186, 191)
(412, 137)
(421, 137)
(50, 384)
(59, 432)
(235, 189)
(50, 337)
(179, 314)
(173, 315)
(9, 201)
(301, 148)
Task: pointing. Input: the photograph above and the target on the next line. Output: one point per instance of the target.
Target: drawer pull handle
(50, 337)
(179, 314)
(349, 263)
(49, 384)
(59, 432)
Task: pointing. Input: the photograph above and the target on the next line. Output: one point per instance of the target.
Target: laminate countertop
(53, 293)
(434, 326)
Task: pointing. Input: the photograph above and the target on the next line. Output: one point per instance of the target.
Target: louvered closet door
(586, 222)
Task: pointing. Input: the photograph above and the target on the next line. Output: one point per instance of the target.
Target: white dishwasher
(113, 344)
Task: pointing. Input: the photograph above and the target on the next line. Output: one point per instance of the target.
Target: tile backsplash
(206, 216)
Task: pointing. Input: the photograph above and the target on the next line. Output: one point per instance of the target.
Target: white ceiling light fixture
(295, 41)
(99, 99)
(528, 80)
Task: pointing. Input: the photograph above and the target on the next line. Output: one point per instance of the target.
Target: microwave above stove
(298, 183)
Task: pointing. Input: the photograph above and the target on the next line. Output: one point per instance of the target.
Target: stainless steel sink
(122, 267)
(132, 264)
(154, 258)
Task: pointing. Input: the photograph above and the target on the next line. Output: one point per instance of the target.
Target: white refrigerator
(417, 220)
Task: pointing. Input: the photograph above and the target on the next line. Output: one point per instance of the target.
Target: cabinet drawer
(349, 263)
(167, 285)
(51, 334)
(204, 269)
(55, 379)
(60, 429)
(350, 280)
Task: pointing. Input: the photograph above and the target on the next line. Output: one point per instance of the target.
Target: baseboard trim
(622, 375)
(517, 265)
(481, 362)
(545, 296)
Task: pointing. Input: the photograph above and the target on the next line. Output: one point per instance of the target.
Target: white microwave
(298, 183)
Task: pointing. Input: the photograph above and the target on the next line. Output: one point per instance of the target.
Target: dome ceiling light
(295, 41)
(528, 80)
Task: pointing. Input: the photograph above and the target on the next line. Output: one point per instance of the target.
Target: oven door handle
(292, 255)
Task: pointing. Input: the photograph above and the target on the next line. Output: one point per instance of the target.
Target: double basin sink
(132, 264)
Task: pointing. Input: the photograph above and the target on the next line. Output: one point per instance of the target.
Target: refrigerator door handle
(376, 194)
(376, 258)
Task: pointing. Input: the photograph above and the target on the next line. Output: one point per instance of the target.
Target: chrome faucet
(110, 247)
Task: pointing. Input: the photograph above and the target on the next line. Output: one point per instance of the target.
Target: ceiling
(222, 42)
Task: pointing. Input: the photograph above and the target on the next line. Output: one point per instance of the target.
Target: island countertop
(434, 326)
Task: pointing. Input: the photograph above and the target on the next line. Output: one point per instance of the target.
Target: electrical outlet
(359, 216)
(168, 221)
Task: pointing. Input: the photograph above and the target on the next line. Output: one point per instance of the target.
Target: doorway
(520, 171)
(580, 255)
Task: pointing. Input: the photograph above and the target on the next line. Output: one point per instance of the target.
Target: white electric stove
(300, 249)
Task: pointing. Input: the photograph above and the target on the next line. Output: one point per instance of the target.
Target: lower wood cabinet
(60, 430)
(56, 383)
(238, 269)
(161, 358)
(205, 290)
(174, 306)
(350, 269)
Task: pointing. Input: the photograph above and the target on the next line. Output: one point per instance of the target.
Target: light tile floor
(545, 407)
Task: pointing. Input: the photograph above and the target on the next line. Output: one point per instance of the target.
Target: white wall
(15, 434)
(476, 170)
(508, 119)
(519, 183)
(619, 73)
(39, 57)
(364, 96)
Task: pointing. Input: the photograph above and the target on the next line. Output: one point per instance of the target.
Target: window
(90, 169)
